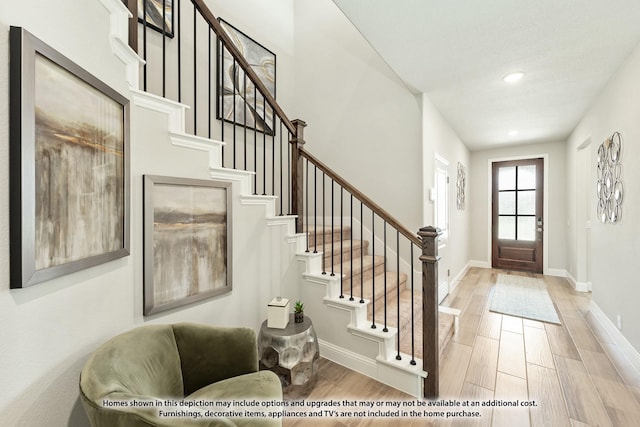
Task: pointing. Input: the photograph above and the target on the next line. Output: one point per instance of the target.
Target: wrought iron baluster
(264, 152)
(307, 201)
(384, 242)
(244, 110)
(332, 232)
(373, 279)
(281, 167)
(179, 30)
(315, 209)
(351, 257)
(289, 181)
(195, 72)
(324, 262)
(164, 47)
(144, 44)
(362, 258)
(235, 93)
(341, 241)
(255, 142)
(398, 357)
(220, 100)
(209, 100)
(413, 337)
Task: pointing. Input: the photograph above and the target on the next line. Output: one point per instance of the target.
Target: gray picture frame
(187, 241)
(238, 101)
(69, 165)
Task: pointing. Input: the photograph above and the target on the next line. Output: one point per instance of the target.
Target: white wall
(614, 249)
(439, 138)
(555, 222)
(48, 330)
(362, 120)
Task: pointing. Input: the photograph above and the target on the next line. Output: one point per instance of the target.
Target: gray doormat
(525, 297)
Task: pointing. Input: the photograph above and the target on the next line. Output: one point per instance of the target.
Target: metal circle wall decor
(609, 188)
(460, 183)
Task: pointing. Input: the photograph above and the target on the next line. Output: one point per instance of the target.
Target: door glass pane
(527, 177)
(507, 203)
(527, 202)
(527, 228)
(507, 227)
(507, 178)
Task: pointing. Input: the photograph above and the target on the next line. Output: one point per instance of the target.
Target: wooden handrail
(366, 200)
(240, 59)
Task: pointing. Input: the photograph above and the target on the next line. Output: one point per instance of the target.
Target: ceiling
(458, 51)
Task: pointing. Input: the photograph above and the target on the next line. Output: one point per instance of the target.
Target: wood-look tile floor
(574, 372)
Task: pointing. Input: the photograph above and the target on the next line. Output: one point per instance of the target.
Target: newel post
(297, 171)
(430, 348)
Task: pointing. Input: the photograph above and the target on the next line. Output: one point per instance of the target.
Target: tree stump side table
(292, 353)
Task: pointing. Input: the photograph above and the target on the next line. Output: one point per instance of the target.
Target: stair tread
(326, 228)
(379, 286)
(345, 249)
(324, 234)
(367, 262)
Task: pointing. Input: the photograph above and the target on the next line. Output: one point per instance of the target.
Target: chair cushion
(262, 385)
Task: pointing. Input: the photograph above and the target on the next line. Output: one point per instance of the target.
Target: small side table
(292, 353)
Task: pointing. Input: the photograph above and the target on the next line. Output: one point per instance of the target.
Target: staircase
(346, 259)
(366, 304)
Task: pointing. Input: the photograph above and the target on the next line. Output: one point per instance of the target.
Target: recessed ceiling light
(513, 77)
(513, 133)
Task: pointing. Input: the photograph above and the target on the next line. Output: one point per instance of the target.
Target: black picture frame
(235, 89)
(68, 165)
(155, 16)
(187, 241)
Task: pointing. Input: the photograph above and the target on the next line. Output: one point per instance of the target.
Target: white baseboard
(557, 272)
(400, 375)
(630, 353)
(348, 359)
(456, 280)
(578, 286)
(479, 264)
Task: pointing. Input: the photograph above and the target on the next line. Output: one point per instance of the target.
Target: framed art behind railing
(239, 102)
(69, 173)
(158, 15)
(187, 241)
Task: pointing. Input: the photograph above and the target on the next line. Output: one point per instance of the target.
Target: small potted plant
(298, 312)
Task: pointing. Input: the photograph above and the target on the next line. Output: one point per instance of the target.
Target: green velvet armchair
(157, 364)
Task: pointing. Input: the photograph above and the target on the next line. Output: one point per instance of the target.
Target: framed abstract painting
(239, 101)
(69, 172)
(187, 241)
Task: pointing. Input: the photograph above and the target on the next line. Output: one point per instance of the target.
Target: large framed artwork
(69, 172)
(239, 101)
(187, 241)
(158, 15)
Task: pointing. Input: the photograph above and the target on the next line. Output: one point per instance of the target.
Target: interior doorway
(441, 200)
(517, 215)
